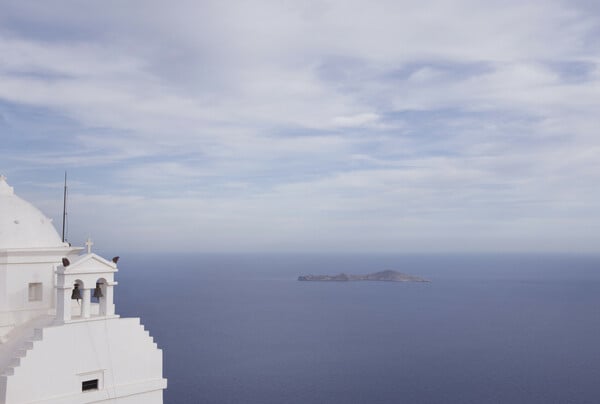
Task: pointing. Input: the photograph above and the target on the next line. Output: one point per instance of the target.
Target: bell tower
(90, 276)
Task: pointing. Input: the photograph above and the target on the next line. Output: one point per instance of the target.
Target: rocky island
(385, 276)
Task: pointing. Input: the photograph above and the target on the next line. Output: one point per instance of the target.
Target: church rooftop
(22, 225)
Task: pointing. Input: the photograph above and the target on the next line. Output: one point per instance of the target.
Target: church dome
(22, 225)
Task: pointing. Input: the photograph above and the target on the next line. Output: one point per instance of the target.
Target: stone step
(38, 334)
(27, 345)
(21, 352)
(14, 362)
(147, 333)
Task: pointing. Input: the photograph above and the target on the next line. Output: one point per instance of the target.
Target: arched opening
(77, 295)
(99, 297)
(99, 291)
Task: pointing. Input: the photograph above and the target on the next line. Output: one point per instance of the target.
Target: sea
(487, 328)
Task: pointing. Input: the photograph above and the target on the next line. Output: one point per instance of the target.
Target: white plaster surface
(61, 357)
(21, 224)
(48, 347)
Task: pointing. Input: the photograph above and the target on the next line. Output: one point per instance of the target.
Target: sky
(314, 125)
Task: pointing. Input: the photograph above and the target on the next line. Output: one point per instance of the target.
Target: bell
(76, 294)
(98, 291)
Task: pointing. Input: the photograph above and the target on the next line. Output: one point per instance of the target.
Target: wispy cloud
(316, 125)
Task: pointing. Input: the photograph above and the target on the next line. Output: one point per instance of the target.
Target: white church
(60, 339)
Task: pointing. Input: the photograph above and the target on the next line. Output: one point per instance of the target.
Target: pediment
(90, 263)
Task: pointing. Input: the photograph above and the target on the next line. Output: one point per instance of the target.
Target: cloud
(313, 125)
(356, 120)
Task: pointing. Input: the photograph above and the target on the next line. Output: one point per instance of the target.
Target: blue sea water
(487, 329)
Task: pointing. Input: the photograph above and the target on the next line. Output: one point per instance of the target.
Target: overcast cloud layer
(307, 125)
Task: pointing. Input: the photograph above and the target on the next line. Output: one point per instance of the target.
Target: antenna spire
(64, 209)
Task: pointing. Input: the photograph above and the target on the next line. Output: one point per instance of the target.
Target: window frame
(35, 292)
(90, 385)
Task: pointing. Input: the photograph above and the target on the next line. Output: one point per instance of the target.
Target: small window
(35, 292)
(89, 385)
